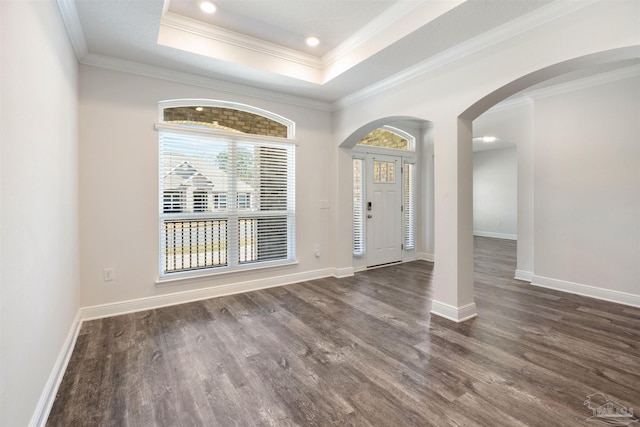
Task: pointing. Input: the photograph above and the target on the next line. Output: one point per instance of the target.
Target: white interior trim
(523, 275)
(587, 290)
(456, 314)
(384, 26)
(426, 256)
(527, 97)
(494, 235)
(220, 132)
(48, 396)
(586, 82)
(238, 40)
(504, 32)
(131, 67)
(71, 21)
(340, 273)
(157, 301)
(529, 21)
(204, 102)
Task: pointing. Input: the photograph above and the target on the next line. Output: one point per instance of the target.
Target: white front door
(383, 209)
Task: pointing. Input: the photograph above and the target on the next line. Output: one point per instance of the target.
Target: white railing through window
(226, 200)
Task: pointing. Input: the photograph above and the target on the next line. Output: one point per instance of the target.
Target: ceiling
(260, 43)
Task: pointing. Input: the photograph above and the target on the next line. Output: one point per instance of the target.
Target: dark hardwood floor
(361, 351)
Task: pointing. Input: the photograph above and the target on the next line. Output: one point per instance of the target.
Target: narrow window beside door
(358, 207)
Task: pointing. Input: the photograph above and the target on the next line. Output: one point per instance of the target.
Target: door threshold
(387, 264)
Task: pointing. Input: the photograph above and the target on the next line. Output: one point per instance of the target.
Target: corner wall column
(453, 272)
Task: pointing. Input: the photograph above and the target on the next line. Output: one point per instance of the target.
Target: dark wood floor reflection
(361, 351)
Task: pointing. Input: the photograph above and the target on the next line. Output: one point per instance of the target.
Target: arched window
(227, 185)
(389, 137)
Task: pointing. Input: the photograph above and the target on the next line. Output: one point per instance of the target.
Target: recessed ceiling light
(199, 108)
(489, 138)
(208, 7)
(313, 41)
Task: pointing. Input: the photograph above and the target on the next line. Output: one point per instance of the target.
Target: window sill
(182, 278)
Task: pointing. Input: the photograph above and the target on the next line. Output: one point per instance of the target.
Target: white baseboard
(343, 272)
(495, 235)
(426, 256)
(48, 396)
(586, 290)
(457, 314)
(523, 275)
(157, 301)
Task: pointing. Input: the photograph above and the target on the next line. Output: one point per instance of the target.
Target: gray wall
(587, 187)
(495, 193)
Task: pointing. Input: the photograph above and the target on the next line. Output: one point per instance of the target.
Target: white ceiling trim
(71, 21)
(198, 28)
(401, 19)
(504, 32)
(393, 24)
(586, 82)
(518, 101)
(131, 67)
(529, 97)
(76, 36)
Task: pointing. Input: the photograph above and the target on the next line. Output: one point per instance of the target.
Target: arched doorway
(389, 180)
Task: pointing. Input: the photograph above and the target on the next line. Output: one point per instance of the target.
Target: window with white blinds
(358, 207)
(226, 200)
(409, 206)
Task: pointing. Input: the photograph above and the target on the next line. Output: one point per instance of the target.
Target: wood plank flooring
(361, 351)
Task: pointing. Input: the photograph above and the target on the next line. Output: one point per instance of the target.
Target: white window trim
(166, 279)
(222, 133)
(411, 140)
(196, 102)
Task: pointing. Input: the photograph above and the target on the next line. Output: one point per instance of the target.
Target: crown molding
(378, 34)
(205, 82)
(198, 28)
(376, 27)
(586, 82)
(518, 101)
(502, 33)
(529, 97)
(71, 21)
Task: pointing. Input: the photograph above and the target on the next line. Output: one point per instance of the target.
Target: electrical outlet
(107, 274)
(317, 251)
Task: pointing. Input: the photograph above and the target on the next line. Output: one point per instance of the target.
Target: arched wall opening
(615, 58)
(452, 133)
(621, 56)
(421, 169)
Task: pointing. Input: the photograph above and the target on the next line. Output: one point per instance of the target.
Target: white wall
(587, 187)
(495, 193)
(119, 186)
(39, 209)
